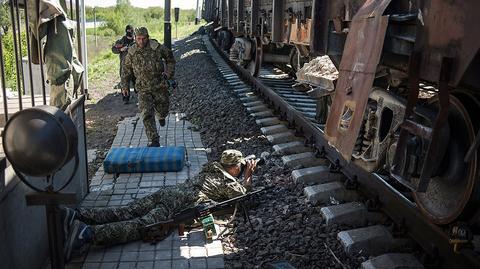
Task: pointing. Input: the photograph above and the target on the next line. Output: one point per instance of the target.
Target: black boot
(126, 99)
(162, 122)
(153, 143)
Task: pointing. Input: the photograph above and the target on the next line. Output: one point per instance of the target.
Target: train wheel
(449, 194)
(255, 64)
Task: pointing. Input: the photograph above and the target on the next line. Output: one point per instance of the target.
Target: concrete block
(247, 94)
(268, 121)
(241, 92)
(372, 240)
(263, 114)
(290, 148)
(274, 129)
(306, 109)
(393, 261)
(250, 99)
(310, 115)
(252, 103)
(284, 137)
(353, 214)
(305, 159)
(240, 87)
(323, 192)
(233, 80)
(259, 108)
(316, 175)
(235, 83)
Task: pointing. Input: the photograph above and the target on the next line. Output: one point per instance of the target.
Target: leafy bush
(4, 15)
(102, 62)
(9, 58)
(116, 18)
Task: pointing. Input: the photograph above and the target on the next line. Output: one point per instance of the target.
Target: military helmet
(231, 157)
(141, 31)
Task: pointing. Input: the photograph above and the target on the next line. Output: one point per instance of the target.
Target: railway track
(286, 116)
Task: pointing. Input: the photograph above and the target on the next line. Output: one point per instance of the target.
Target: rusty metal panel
(357, 71)
(300, 33)
(450, 28)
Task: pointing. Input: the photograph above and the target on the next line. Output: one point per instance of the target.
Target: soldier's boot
(126, 99)
(154, 143)
(162, 122)
(80, 235)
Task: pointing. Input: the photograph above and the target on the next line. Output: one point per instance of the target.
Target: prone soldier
(228, 178)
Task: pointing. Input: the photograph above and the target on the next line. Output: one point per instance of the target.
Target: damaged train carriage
(406, 95)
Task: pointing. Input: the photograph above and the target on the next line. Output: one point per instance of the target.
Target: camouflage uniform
(146, 65)
(121, 43)
(114, 225)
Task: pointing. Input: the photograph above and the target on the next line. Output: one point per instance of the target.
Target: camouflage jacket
(146, 65)
(215, 184)
(120, 43)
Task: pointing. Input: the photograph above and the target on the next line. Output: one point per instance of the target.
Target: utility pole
(167, 31)
(177, 17)
(196, 14)
(95, 25)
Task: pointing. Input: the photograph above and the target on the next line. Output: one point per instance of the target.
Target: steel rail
(432, 238)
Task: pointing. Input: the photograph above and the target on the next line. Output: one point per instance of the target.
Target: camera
(260, 160)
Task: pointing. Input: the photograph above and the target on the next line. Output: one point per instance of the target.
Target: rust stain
(360, 58)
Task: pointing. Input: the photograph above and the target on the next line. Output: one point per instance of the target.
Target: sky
(183, 4)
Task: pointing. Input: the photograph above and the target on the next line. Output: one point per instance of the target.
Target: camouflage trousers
(115, 225)
(59, 96)
(151, 104)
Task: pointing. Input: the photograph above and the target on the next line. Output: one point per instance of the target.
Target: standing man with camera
(145, 61)
(120, 47)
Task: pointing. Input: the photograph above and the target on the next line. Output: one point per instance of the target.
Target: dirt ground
(103, 112)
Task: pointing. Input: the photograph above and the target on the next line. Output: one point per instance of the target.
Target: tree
(123, 3)
(4, 16)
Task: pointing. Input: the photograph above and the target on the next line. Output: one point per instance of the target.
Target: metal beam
(277, 20)
(231, 5)
(254, 24)
(240, 16)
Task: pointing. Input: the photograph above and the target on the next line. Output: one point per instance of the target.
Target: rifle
(160, 230)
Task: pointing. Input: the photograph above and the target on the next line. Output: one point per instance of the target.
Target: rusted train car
(406, 101)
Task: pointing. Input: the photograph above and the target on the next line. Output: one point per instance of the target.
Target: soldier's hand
(250, 167)
(125, 92)
(124, 48)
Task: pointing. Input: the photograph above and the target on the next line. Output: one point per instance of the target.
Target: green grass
(105, 63)
(102, 62)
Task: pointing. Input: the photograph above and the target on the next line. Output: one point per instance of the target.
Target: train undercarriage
(406, 99)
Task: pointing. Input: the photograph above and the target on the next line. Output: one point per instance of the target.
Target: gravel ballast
(286, 228)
